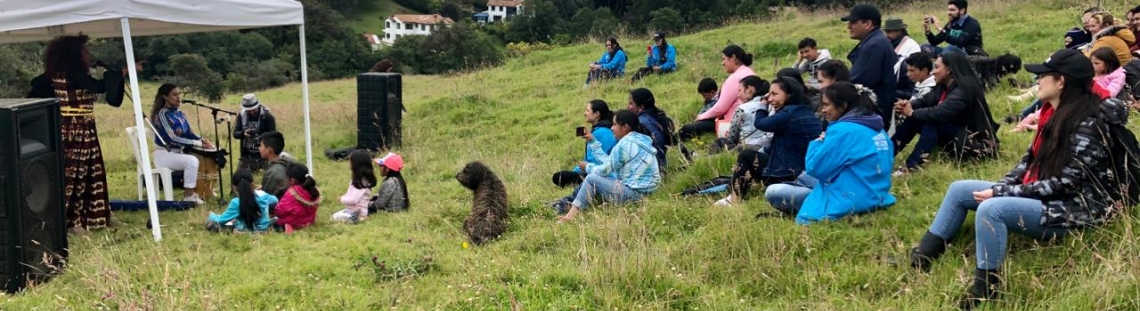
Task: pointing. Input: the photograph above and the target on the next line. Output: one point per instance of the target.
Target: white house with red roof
(498, 10)
(400, 25)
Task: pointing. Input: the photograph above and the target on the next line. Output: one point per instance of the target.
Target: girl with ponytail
(247, 212)
(298, 207)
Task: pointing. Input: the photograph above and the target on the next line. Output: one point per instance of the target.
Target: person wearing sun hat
(904, 47)
(393, 193)
(1065, 182)
(253, 120)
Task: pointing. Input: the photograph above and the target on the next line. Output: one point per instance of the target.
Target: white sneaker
(725, 202)
(194, 198)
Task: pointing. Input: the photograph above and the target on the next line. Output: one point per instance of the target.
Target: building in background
(498, 10)
(400, 25)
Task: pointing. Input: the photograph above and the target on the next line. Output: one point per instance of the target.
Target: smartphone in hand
(580, 131)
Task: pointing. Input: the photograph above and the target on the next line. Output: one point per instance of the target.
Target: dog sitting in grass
(488, 218)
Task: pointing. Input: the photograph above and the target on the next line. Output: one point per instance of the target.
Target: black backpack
(1125, 153)
(1131, 81)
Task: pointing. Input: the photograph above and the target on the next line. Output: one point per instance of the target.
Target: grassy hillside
(371, 19)
(669, 253)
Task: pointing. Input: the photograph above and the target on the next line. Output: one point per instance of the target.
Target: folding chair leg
(140, 183)
(167, 186)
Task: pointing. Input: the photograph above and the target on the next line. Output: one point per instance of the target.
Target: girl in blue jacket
(847, 172)
(662, 58)
(612, 63)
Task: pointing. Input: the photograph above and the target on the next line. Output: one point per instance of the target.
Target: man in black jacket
(253, 120)
(873, 60)
(962, 32)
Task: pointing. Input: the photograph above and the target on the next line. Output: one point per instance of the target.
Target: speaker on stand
(379, 111)
(33, 233)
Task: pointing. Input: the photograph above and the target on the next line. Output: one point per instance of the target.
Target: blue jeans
(995, 218)
(789, 197)
(611, 190)
(937, 50)
(933, 134)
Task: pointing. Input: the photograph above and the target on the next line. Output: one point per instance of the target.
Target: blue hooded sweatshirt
(632, 162)
(603, 135)
(615, 64)
(669, 63)
(853, 164)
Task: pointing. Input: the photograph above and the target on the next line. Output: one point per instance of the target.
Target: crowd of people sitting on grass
(825, 149)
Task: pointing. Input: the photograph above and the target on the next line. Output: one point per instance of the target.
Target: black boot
(930, 248)
(984, 289)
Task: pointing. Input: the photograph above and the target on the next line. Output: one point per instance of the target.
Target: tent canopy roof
(24, 21)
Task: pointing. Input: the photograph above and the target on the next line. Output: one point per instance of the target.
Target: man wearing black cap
(662, 58)
(873, 60)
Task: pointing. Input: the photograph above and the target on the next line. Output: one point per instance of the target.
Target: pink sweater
(356, 199)
(297, 208)
(1112, 82)
(725, 107)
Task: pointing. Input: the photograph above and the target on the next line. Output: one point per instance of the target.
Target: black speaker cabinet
(33, 234)
(379, 109)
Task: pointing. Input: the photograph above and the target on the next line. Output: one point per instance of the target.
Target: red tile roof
(422, 19)
(506, 3)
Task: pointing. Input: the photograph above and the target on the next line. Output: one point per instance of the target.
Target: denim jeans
(995, 218)
(611, 190)
(933, 134)
(789, 197)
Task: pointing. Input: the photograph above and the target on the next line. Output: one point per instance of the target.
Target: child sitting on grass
(298, 207)
(393, 193)
(359, 192)
(248, 212)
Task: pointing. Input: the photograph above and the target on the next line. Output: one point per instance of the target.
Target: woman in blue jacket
(600, 117)
(612, 63)
(662, 58)
(847, 172)
(793, 126)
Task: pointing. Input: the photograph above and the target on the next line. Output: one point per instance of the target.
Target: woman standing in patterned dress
(66, 77)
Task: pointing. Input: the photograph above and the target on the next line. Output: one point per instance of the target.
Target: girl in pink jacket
(359, 192)
(1109, 76)
(298, 206)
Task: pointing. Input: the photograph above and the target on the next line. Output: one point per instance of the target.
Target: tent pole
(305, 98)
(148, 174)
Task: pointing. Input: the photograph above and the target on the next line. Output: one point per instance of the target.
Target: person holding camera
(253, 120)
(962, 32)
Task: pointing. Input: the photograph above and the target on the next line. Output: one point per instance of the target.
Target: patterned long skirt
(85, 177)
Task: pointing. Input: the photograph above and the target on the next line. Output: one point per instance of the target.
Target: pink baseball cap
(392, 161)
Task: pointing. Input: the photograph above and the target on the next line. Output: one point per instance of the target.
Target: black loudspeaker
(379, 109)
(33, 231)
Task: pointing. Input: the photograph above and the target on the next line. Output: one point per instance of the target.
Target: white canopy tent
(25, 21)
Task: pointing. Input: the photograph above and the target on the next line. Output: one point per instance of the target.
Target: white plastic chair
(161, 174)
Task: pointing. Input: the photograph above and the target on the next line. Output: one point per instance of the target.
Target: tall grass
(668, 253)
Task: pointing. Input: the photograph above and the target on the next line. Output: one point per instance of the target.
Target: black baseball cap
(1067, 62)
(864, 12)
(659, 35)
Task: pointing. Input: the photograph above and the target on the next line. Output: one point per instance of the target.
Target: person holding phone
(253, 120)
(600, 118)
(662, 58)
(963, 32)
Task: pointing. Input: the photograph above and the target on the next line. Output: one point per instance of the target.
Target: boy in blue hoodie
(632, 162)
(848, 169)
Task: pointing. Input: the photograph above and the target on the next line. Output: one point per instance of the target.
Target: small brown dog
(488, 218)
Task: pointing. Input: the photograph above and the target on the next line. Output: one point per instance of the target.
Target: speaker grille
(40, 217)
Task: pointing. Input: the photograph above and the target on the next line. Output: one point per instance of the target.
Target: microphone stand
(222, 193)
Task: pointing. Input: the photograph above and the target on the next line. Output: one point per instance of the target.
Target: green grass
(371, 18)
(669, 253)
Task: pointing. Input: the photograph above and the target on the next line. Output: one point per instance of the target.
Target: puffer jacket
(1118, 38)
(1082, 195)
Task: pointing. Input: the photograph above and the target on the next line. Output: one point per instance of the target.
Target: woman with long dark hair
(654, 121)
(174, 138)
(1065, 181)
(954, 115)
(357, 198)
(628, 174)
(662, 58)
(66, 78)
(612, 63)
(393, 193)
(853, 157)
(248, 212)
(793, 126)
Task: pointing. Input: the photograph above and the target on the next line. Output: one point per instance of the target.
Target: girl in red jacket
(298, 206)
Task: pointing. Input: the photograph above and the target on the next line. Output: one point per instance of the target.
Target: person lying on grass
(1065, 181)
(633, 162)
(847, 169)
